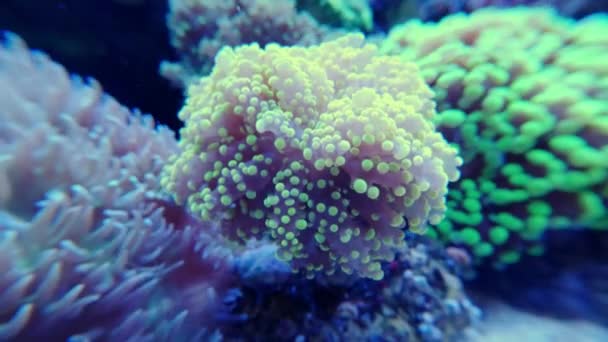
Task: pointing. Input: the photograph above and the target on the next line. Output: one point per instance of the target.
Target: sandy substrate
(503, 323)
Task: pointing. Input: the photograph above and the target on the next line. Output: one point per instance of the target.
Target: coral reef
(200, 28)
(91, 249)
(321, 190)
(324, 150)
(522, 94)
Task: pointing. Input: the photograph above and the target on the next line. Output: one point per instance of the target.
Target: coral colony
(324, 186)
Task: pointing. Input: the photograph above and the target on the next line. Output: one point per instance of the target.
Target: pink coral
(324, 150)
(86, 236)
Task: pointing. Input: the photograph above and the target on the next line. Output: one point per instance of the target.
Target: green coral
(523, 95)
